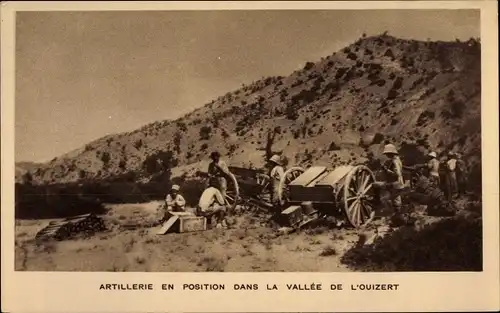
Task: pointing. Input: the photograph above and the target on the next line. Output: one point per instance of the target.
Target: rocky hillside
(336, 110)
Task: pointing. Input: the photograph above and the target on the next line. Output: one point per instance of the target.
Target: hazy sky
(83, 75)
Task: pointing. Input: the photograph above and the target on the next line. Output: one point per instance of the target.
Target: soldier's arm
(398, 167)
(224, 168)
(169, 201)
(181, 201)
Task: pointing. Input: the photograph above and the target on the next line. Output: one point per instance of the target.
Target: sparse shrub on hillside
(428, 92)
(388, 53)
(392, 94)
(374, 77)
(205, 132)
(298, 82)
(368, 52)
(394, 121)
(378, 138)
(340, 72)
(82, 174)
(204, 147)
(182, 126)
(417, 82)
(308, 66)
(105, 158)
(407, 62)
(398, 83)
(333, 146)
(352, 56)
(232, 148)
(161, 161)
(177, 142)
(122, 164)
(424, 117)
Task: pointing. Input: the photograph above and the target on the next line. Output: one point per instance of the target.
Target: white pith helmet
(275, 159)
(432, 154)
(176, 187)
(390, 148)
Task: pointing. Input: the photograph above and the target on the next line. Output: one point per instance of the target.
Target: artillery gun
(345, 191)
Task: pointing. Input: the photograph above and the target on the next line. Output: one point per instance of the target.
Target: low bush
(448, 245)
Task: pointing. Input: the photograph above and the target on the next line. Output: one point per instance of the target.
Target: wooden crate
(183, 222)
(292, 216)
(191, 223)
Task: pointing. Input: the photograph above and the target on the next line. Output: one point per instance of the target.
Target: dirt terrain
(248, 245)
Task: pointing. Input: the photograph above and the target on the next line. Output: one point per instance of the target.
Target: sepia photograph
(248, 141)
(236, 156)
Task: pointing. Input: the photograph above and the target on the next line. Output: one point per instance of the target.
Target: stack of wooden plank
(87, 225)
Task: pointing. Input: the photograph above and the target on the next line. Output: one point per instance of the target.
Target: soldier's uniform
(211, 204)
(275, 175)
(461, 172)
(174, 201)
(394, 178)
(451, 178)
(433, 169)
(218, 172)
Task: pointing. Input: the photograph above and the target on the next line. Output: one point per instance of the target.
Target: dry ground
(247, 246)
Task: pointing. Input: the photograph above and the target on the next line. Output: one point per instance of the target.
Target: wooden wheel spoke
(367, 188)
(367, 211)
(351, 206)
(358, 212)
(364, 184)
(351, 198)
(360, 182)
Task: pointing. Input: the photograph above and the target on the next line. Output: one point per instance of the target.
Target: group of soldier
(449, 175)
(213, 201)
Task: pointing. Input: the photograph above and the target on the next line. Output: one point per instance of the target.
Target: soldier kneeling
(212, 205)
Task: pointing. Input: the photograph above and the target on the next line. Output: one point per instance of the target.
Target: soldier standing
(275, 175)
(451, 178)
(393, 168)
(218, 171)
(433, 168)
(461, 174)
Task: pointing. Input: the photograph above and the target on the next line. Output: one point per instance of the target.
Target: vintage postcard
(249, 156)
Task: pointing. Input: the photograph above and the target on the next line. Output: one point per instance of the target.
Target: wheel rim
(232, 193)
(289, 176)
(358, 196)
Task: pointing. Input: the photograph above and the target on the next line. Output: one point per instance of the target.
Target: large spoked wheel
(358, 196)
(290, 175)
(232, 193)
